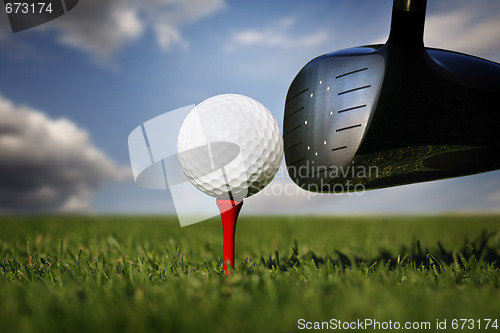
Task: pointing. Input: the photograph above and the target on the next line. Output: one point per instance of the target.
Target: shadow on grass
(470, 253)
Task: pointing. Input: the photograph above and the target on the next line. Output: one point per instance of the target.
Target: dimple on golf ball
(230, 146)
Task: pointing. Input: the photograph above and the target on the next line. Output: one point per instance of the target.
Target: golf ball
(230, 146)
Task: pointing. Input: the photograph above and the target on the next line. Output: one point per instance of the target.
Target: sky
(73, 89)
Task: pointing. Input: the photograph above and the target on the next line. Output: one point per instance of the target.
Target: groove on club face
(352, 72)
(353, 108)
(329, 106)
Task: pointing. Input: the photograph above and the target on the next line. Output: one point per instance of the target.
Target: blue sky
(106, 67)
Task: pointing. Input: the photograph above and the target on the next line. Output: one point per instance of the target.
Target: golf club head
(393, 114)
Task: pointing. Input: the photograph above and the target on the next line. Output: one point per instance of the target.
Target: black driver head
(392, 114)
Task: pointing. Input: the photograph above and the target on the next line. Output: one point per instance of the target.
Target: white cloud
(100, 29)
(279, 35)
(103, 28)
(168, 36)
(464, 31)
(128, 22)
(49, 164)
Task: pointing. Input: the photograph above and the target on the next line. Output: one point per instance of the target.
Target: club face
(328, 109)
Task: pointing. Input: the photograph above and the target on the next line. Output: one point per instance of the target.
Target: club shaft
(407, 26)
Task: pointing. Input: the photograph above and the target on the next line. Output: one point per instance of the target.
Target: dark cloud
(48, 165)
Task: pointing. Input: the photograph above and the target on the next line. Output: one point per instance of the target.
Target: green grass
(143, 274)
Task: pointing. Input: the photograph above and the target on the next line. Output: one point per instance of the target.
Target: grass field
(143, 274)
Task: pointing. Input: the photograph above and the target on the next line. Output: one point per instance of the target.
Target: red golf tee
(229, 211)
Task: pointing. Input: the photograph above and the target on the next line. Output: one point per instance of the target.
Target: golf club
(392, 114)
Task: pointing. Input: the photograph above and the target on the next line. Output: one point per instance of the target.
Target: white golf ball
(230, 146)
